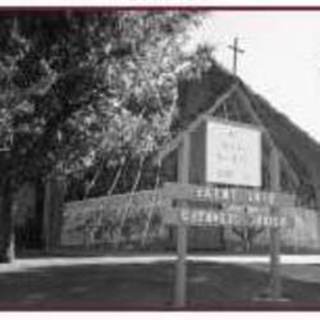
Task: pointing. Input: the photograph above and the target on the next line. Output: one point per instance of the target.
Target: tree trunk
(247, 245)
(246, 241)
(7, 250)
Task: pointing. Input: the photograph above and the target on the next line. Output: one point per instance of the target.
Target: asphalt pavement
(20, 265)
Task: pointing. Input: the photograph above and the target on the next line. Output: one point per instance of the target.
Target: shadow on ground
(143, 286)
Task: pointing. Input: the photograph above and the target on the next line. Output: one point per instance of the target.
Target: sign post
(181, 264)
(203, 212)
(275, 239)
(230, 153)
(232, 156)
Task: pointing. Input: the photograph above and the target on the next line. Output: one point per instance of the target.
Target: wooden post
(275, 236)
(181, 267)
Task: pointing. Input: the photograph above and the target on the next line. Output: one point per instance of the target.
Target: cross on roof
(235, 50)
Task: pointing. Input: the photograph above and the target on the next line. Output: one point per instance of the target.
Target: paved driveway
(24, 264)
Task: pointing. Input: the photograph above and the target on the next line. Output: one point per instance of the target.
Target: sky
(281, 60)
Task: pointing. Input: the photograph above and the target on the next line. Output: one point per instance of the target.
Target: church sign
(228, 195)
(219, 184)
(195, 213)
(233, 153)
(211, 205)
(225, 218)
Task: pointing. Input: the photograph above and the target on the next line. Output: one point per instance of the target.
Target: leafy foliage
(80, 89)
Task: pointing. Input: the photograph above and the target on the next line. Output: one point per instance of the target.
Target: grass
(150, 286)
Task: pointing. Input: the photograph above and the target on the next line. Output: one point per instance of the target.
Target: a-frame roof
(210, 93)
(235, 89)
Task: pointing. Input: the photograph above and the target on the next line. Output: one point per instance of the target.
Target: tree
(247, 236)
(78, 88)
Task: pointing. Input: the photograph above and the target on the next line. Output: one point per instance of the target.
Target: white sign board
(233, 154)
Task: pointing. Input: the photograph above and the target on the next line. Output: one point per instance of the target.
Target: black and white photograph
(162, 159)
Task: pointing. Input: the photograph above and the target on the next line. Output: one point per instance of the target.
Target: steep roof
(201, 96)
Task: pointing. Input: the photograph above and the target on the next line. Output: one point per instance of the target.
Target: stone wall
(305, 233)
(302, 237)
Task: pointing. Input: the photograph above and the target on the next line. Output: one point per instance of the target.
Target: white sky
(282, 58)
